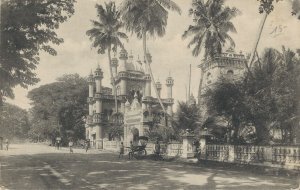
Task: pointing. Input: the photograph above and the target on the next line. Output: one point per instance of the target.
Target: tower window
(208, 78)
(230, 72)
(118, 90)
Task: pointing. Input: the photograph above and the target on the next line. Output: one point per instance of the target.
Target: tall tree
(59, 108)
(267, 100)
(187, 117)
(14, 122)
(265, 8)
(212, 23)
(27, 27)
(147, 17)
(106, 34)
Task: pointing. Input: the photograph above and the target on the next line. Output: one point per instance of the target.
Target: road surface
(33, 166)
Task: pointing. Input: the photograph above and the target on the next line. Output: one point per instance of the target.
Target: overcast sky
(169, 54)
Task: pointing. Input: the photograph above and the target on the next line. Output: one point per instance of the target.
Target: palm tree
(150, 17)
(106, 35)
(265, 8)
(210, 30)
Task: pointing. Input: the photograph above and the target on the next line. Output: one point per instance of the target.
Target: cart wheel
(142, 153)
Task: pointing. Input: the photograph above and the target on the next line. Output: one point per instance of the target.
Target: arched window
(118, 90)
(230, 74)
(208, 78)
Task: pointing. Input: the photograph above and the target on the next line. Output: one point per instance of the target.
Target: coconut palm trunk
(200, 86)
(112, 79)
(150, 70)
(262, 24)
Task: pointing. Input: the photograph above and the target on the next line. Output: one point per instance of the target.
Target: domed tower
(97, 116)
(91, 83)
(114, 65)
(158, 87)
(123, 57)
(169, 84)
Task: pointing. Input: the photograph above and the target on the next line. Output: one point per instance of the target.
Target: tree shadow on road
(106, 171)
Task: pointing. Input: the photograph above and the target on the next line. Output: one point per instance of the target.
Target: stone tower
(169, 84)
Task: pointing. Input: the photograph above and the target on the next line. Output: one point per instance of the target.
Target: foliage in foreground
(27, 28)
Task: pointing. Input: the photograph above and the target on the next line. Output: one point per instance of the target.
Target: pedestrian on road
(121, 150)
(87, 144)
(71, 146)
(130, 154)
(6, 144)
(157, 150)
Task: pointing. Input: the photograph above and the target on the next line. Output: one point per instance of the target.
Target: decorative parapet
(99, 118)
(150, 99)
(225, 59)
(133, 75)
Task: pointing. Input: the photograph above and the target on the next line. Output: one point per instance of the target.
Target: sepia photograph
(150, 94)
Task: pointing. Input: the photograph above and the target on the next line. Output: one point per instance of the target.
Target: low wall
(287, 157)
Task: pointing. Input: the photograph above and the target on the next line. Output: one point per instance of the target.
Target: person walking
(157, 150)
(87, 145)
(71, 146)
(121, 150)
(130, 154)
(6, 144)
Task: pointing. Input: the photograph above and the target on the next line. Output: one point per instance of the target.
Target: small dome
(129, 66)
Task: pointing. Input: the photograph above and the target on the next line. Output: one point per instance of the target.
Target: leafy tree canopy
(268, 100)
(14, 123)
(27, 27)
(60, 107)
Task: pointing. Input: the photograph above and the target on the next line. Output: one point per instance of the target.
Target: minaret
(147, 76)
(158, 87)
(122, 69)
(123, 57)
(169, 84)
(114, 65)
(97, 117)
(91, 83)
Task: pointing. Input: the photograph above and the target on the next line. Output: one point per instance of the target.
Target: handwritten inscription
(277, 30)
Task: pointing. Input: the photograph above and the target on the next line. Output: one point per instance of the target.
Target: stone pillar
(158, 87)
(187, 146)
(98, 106)
(99, 137)
(202, 146)
(169, 84)
(148, 85)
(123, 87)
(90, 109)
(114, 65)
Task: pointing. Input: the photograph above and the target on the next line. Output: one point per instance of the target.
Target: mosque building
(136, 106)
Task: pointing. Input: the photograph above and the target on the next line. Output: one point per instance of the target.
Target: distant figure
(130, 154)
(157, 149)
(87, 145)
(121, 150)
(71, 146)
(57, 144)
(196, 146)
(6, 144)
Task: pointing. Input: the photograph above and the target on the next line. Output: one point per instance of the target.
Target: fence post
(230, 153)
